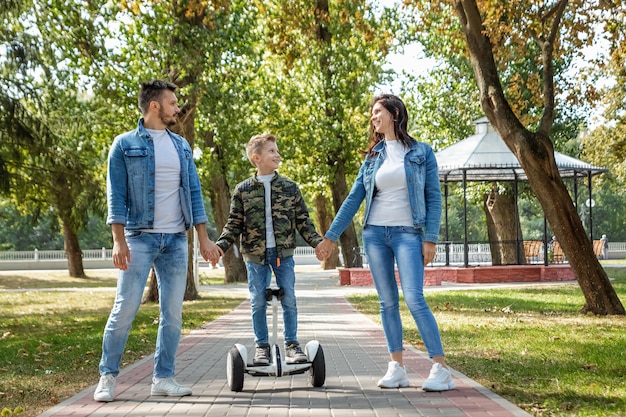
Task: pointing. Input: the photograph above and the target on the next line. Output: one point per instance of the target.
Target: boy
(266, 210)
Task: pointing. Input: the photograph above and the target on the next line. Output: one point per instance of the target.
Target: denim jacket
(131, 181)
(422, 178)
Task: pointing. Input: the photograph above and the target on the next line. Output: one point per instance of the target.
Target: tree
(331, 53)
(209, 50)
(534, 149)
(49, 161)
(447, 103)
(52, 171)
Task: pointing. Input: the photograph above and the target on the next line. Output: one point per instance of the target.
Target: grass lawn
(50, 341)
(531, 346)
(528, 344)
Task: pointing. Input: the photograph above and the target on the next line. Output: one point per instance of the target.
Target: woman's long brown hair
(396, 107)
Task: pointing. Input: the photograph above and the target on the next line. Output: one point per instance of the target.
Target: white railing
(477, 253)
(52, 255)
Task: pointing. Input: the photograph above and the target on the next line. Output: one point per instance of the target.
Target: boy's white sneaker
(395, 377)
(440, 379)
(104, 390)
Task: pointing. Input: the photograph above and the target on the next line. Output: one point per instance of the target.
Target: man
(154, 197)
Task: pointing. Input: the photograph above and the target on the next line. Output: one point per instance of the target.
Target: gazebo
(485, 157)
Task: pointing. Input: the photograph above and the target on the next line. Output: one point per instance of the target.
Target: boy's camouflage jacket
(247, 219)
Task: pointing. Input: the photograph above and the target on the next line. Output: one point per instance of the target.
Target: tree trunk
(544, 179)
(536, 156)
(348, 239)
(324, 219)
(191, 289)
(339, 188)
(152, 295)
(73, 252)
(503, 228)
(185, 127)
(219, 194)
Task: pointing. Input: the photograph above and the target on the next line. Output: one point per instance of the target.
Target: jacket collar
(143, 132)
(256, 176)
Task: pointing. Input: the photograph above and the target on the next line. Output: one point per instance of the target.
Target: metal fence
(53, 255)
(478, 253)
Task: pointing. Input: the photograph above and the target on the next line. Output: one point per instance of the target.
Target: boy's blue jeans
(168, 252)
(259, 278)
(382, 245)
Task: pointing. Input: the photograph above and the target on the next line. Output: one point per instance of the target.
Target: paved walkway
(355, 354)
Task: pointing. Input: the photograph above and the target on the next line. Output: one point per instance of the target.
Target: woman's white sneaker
(169, 386)
(104, 390)
(395, 377)
(440, 379)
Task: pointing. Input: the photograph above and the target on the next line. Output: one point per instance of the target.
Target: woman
(400, 184)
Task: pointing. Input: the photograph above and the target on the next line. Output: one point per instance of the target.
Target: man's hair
(256, 143)
(151, 91)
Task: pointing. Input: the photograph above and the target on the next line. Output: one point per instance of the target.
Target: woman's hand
(324, 249)
(429, 250)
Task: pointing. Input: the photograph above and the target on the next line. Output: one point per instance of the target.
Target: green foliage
(50, 162)
(321, 100)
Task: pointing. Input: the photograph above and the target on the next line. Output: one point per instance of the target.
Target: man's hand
(121, 253)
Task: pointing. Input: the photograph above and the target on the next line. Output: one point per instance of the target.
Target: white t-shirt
(168, 213)
(269, 223)
(390, 206)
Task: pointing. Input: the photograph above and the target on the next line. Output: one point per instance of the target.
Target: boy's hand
(324, 249)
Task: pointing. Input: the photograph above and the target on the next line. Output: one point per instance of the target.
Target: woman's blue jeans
(259, 278)
(383, 245)
(168, 253)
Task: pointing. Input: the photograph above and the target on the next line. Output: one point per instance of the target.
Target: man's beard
(171, 122)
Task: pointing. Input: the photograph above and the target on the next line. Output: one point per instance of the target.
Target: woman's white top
(390, 206)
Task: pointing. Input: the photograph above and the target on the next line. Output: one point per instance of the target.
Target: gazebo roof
(485, 157)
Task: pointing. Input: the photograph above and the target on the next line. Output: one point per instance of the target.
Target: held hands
(324, 249)
(211, 252)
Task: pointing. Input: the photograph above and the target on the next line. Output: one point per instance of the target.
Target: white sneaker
(104, 390)
(395, 377)
(440, 379)
(169, 387)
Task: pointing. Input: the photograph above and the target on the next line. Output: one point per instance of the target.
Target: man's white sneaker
(169, 387)
(104, 390)
(395, 377)
(440, 379)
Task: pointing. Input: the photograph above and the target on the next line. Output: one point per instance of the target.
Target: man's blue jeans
(259, 278)
(168, 253)
(383, 244)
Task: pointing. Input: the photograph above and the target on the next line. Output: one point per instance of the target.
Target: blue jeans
(382, 245)
(168, 253)
(259, 278)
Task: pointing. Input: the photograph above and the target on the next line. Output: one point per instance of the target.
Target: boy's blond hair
(256, 143)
